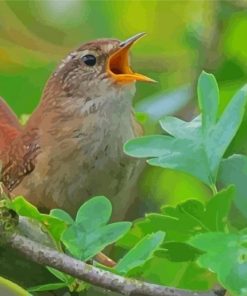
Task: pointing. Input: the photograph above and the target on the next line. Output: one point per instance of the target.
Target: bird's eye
(89, 60)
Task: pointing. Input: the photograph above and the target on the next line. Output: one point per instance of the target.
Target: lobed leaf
(233, 170)
(84, 245)
(141, 252)
(94, 213)
(208, 98)
(225, 129)
(62, 215)
(225, 254)
(149, 146)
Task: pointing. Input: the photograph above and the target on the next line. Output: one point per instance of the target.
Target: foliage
(193, 143)
(89, 233)
(86, 236)
(35, 35)
(196, 232)
(194, 239)
(225, 254)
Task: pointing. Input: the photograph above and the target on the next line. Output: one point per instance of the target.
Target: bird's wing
(10, 127)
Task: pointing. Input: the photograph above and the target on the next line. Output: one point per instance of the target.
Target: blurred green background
(184, 37)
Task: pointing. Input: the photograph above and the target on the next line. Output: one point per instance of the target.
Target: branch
(46, 256)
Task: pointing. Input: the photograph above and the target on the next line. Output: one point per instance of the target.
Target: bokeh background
(184, 37)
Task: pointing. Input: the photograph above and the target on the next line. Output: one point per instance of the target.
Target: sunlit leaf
(94, 213)
(149, 146)
(225, 254)
(84, 245)
(233, 170)
(141, 253)
(62, 215)
(208, 98)
(195, 147)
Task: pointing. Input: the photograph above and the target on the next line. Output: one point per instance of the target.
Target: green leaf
(84, 245)
(60, 275)
(208, 97)
(181, 129)
(62, 215)
(195, 147)
(24, 208)
(217, 210)
(233, 170)
(178, 252)
(47, 287)
(141, 253)
(186, 156)
(226, 128)
(185, 275)
(184, 221)
(149, 146)
(226, 255)
(53, 225)
(94, 213)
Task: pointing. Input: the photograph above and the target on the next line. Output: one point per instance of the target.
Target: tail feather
(10, 127)
(7, 116)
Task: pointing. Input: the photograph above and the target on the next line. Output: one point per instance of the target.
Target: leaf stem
(214, 188)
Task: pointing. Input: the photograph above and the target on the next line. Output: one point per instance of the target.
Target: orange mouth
(118, 63)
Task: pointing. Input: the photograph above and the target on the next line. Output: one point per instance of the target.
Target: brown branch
(46, 256)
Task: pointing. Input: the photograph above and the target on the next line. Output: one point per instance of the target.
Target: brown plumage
(71, 147)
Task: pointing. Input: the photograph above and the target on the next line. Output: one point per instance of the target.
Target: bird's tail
(10, 127)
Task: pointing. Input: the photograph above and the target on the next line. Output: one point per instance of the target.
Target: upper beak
(118, 63)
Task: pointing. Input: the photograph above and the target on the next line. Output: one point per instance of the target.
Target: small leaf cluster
(86, 236)
(196, 147)
(192, 245)
(202, 240)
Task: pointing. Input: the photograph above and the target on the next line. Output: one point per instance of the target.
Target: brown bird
(72, 146)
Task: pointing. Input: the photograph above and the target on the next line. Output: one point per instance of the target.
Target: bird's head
(99, 66)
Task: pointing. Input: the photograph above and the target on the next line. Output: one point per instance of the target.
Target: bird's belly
(67, 183)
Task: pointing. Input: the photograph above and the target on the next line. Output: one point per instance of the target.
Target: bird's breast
(82, 158)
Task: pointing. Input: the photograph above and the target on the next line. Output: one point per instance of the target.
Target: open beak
(118, 63)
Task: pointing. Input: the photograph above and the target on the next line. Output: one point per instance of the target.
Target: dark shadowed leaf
(47, 287)
(178, 252)
(60, 275)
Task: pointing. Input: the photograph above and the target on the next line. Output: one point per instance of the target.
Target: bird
(71, 148)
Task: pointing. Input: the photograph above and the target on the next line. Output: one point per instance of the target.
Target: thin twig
(46, 256)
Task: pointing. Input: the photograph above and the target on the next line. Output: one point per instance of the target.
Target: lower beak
(118, 63)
